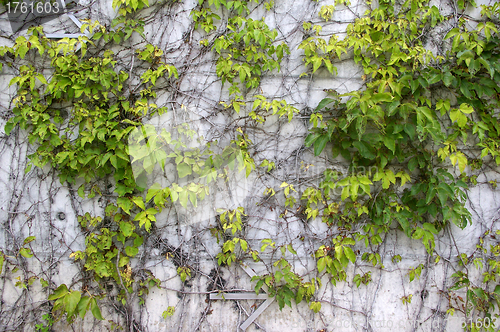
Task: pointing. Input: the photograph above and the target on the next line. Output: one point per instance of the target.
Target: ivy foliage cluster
(420, 114)
(420, 117)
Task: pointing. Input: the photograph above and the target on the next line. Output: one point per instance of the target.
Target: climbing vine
(409, 139)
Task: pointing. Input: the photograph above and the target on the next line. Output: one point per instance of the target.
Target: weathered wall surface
(37, 204)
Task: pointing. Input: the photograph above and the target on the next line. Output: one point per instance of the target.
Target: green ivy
(400, 136)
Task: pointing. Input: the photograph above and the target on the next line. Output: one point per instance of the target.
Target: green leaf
(412, 164)
(300, 295)
(392, 107)
(465, 88)
(410, 129)
(466, 108)
(443, 196)
(452, 33)
(125, 204)
(430, 227)
(29, 239)
(61, 291)
(95, 309)
(139, 202)
(350, 254)
(8, 127)
(365, 149)
(81, 191)
(459, 158)
(127, 228)
(152, 192)
(26, 252)
(321, 264)
(323, 103)
(320, 144)
(315, 306)
(311, 138)
(183, 198)
(430, 195)
(434, 78)
(71, 301)
(447, 78)
(2, 259)
(184, 170)
(390, 143)
(83, 306)
(28, 168)
(131, 251)
(345, 193)
(381, 97)
(123, 261)
(138, 240)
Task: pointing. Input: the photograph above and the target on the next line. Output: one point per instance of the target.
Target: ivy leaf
(390, 143)
(300, 295)
(430, 227)
(315, 306)
(125, 204)
(381, 97)
(311, 138)
(404, 223)
(392, 107)
(434, 78)
(465, 88)
(81, 191)
(452, 33)
(410, 129)
(244, 245)
(459, 158)
(95, 309)
(323, 103)
(121, 189)
(61, 291)
(139, 202)
(127, 228)
(184, 170)
(443, 196)
(447, 78)
(320, 144)
(430, 195)
(350, 254)
(321, 264)
(123, 261)
(26, 252)
(138, 240)
(29, 239)
(183, 198)
(131, 251)
(83, 306)
(8, 127)
(71, 301)
(466, 108)
(345, 193)
(412, 164)
(365, 149)
(152, 191)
